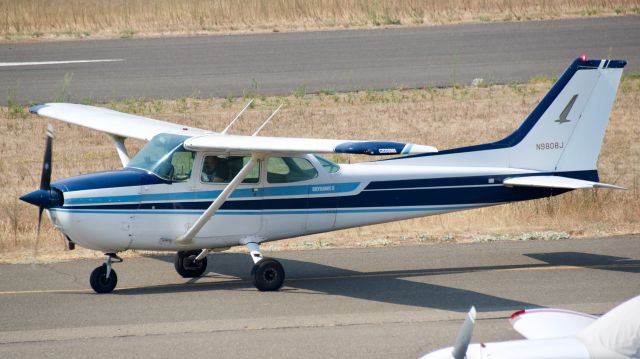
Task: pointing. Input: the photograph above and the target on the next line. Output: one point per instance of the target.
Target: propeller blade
(45, 179)
(40, 210)
(464, 336)
(45, 183)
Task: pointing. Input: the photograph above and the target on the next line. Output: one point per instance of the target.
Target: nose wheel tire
(186, 265)
(268, 275)
(99, 281)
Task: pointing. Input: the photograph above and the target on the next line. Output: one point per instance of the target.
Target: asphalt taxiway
(280, 63)
(368, 302)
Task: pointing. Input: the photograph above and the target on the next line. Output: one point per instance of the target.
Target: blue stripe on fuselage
(474, 180)
(252, 213)
(316, 189)
(391, 198)
(468, 191)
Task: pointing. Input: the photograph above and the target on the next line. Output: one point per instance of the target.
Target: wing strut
(267, 120)
(226, 129)
(188, 236)
(122, 150)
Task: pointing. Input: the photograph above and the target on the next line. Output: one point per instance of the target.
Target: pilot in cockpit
(214, 170)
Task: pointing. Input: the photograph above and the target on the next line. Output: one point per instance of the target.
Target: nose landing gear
(103, 279)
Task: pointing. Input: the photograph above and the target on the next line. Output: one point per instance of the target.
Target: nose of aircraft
(44, 198)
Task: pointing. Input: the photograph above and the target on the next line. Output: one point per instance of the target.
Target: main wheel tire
(268, 275)
(99, 281)
(187, 267)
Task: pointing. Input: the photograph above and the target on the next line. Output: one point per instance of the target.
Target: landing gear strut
(104, 279)
(191, 264)
(268, 273)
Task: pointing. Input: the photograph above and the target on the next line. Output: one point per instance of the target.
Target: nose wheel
(104, 279)
(268, 273)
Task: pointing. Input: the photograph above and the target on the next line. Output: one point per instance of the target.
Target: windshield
(165, 156)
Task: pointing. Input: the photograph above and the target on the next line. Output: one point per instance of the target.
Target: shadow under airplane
(394, 287)
(588, 260)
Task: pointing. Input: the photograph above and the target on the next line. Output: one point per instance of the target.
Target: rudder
(565, 131)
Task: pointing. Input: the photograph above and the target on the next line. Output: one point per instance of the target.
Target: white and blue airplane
(195, 191)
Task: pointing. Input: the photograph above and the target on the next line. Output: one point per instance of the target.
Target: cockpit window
(328, 165)
(165, 156)
(218, 169)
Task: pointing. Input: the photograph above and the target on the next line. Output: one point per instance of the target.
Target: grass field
(446, 117)
(45, 19)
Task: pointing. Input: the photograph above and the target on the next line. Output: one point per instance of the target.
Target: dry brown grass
(25, 19)
(446, 118)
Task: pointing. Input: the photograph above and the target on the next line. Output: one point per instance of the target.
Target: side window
(216, 169)
(236, 164)
(289, 169)
(328, 165)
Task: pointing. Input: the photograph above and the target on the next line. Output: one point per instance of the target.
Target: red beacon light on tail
(583, 57)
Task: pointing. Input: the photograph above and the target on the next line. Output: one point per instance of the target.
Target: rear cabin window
(289, 169)
(328, 165)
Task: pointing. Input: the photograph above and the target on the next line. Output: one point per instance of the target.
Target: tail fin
(565, 131)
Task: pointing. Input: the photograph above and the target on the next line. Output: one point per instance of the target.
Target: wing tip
(37, 107)
(516, 314)
(609, 186)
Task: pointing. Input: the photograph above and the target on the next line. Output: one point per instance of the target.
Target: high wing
(112, 122)
(125, 125)
(227, 143)
(555, 182)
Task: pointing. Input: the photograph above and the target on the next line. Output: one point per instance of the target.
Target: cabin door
(241, 214)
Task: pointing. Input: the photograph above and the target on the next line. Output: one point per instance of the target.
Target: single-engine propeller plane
(195, 191)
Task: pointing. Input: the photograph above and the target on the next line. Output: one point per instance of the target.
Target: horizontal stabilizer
(555, 182)
(111, 122)
(549, 323)
(228, 143)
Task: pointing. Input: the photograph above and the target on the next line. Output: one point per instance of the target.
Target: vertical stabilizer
(565, 131)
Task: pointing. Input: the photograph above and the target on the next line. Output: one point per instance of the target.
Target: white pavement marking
(10, 64)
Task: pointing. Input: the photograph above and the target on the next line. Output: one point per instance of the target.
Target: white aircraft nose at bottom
(556, 333)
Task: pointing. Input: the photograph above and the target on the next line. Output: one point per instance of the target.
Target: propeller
(45, 179)
(464, 336)
(45, 197)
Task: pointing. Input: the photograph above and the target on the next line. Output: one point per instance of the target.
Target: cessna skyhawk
(194, 191)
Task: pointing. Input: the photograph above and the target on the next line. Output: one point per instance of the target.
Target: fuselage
(135, 209)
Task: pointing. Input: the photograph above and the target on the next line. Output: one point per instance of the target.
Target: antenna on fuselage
(267, 120)
(224, 132)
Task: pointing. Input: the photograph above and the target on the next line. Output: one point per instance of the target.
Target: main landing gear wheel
(187, 266)
(268, 275)
(99, 281)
